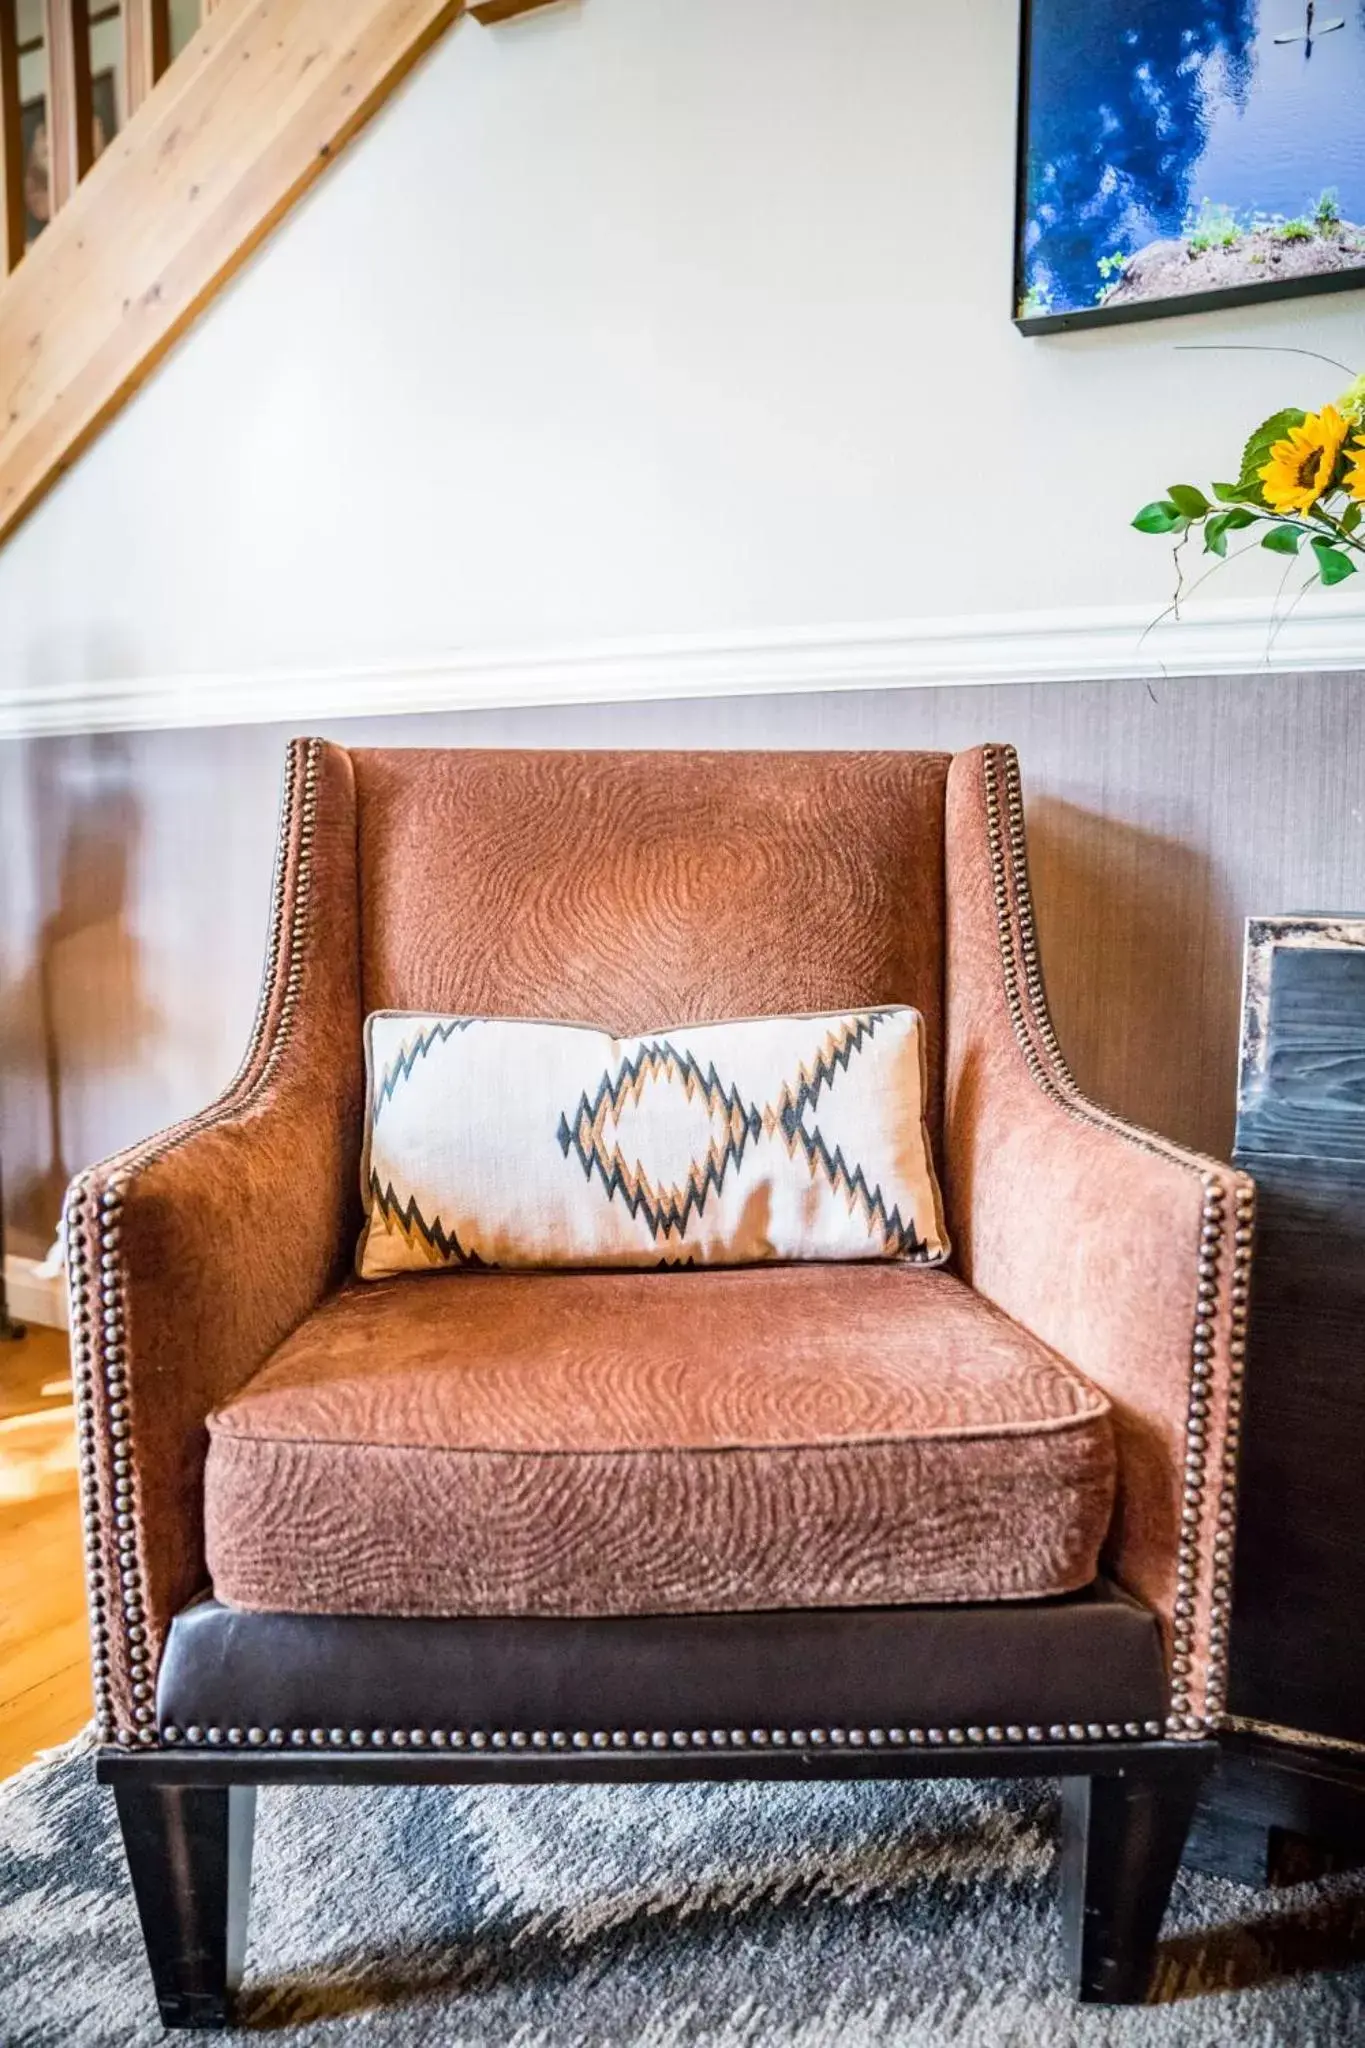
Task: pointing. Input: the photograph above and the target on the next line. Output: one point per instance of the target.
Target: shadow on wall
(1142, 949)
(75, 1012)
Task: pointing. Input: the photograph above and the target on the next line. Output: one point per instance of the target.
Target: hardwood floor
(44, 1661)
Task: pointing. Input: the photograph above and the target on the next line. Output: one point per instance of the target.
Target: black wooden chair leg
(1121, 1847)
(189, 1857)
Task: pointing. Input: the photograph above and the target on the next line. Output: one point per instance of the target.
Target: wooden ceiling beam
(259, 103)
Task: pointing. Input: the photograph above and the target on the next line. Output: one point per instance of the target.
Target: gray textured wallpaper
(134, 875)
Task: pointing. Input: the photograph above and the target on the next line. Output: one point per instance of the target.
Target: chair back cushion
(628, 890)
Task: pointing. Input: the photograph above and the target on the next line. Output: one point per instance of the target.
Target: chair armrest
(1125, 1253)
(192, 1255)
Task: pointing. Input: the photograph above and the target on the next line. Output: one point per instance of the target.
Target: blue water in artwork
(1141, 110)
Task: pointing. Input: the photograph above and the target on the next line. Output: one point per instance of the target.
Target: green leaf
(1351, 517)
(1233, 494)
(1333, 565)
(1188, 500)
(1160, 516)
(1282, 540)
(1221, 525)
(1256, 454)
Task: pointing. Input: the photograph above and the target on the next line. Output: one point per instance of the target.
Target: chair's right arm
(191, 1256)
(1124, 1252)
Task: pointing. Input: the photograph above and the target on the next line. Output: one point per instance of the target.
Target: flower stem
(1320, 526)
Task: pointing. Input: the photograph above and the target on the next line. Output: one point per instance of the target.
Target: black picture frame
(1149, 309)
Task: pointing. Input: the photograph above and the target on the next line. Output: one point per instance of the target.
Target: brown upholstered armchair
(272, 1601)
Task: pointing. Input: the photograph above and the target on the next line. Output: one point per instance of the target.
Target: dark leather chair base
(1045, 1670)
(1072, 1688)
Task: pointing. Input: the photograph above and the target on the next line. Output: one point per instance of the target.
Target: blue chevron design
(657, 1058)
(791, 1108)
(746, 1123)
(414, 1226)
(401, 1068)
(900, 1236)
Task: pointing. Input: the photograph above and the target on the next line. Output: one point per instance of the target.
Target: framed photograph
(1178, 155)
(33, 146)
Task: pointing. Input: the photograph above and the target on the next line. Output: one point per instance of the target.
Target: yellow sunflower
(1355, 476)
(1300, 469)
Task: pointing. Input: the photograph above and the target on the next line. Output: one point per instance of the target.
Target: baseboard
(35, 1296)
(1238, 637)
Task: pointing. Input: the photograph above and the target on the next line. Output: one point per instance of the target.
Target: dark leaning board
(1295, 1762)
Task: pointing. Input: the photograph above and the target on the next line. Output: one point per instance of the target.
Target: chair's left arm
(1125, 1252)
(191, 1256)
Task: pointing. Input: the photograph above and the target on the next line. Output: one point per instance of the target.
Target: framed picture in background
(33, 134)
(1177, 155)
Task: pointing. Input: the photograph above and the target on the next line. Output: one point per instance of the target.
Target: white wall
(642, 317)
(646, 317)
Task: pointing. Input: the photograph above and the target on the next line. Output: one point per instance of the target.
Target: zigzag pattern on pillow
(766, 1138)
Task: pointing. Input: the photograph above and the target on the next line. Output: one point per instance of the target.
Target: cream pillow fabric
(495, 1141)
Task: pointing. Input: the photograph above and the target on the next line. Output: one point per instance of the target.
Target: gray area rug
(543, 1918)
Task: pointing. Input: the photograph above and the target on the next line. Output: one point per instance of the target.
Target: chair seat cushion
(627, 1443)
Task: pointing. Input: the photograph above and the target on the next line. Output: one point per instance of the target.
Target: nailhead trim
(1031, 1021)
(499, 1739)
(82, 1379)
(99, 1305)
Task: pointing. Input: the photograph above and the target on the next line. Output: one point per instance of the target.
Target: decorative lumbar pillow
(494, 1141)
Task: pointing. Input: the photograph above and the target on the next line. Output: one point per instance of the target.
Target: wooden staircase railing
(143, 224)
(51, 134)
